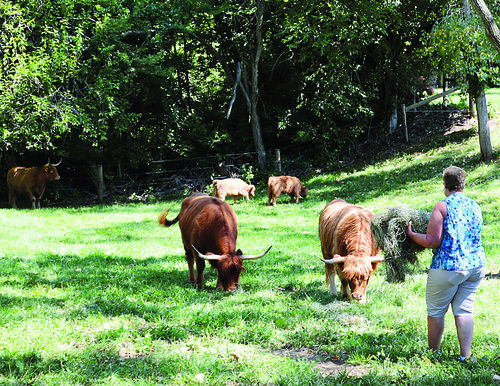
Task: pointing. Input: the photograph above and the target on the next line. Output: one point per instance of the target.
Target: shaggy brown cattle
(209, 229)
(285, 184)
(31, 181)
(232, 187)
(348, 247)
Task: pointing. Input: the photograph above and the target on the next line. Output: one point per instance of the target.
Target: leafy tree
(459, 47)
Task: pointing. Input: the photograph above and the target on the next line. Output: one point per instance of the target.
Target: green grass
(101, 294)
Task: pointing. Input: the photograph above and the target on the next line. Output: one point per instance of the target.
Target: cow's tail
(162, 218)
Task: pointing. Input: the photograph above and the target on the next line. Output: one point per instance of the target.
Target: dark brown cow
(348, 247)
(209, 229)
(285, 184)
(31, 181)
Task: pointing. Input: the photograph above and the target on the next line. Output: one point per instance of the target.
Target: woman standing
(458, 264)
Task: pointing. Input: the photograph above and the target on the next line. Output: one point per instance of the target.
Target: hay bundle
(399, 250)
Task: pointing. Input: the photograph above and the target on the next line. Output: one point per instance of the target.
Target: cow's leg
(276, 195)
(32, 198)
(190, 260)
(200, 267)
(345, 289)
(38, 202)
(269, 195)
(12, 199)
(248, 198)
(234, 199)
(333, 289)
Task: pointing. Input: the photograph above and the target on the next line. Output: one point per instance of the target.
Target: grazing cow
(31, 181)
(348, 247)
(285, 184)
(232, 187)
(209, 229)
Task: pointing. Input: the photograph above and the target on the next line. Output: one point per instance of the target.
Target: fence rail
(407, 109)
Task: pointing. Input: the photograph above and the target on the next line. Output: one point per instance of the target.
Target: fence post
(100, 183)
(405, 128)
(444, 90)
(278, 159)
(472, 112)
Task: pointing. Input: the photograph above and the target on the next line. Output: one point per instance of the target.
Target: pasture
(101, 294)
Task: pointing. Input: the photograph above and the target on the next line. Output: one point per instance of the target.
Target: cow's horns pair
(219, 257)
(341, 259)
(57, 164)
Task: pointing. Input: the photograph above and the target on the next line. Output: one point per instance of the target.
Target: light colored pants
(457, 288)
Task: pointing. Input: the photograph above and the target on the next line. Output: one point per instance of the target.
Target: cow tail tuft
(162, 218)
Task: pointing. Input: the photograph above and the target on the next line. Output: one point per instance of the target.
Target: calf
(285, 184)
(232, 187)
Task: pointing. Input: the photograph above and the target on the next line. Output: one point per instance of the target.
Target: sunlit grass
(101, 294)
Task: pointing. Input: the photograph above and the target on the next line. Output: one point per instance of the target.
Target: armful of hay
(389, 231)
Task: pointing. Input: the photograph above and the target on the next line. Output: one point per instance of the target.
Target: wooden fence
(413, 107)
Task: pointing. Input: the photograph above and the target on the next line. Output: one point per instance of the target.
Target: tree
(490, 26)
(458, 47)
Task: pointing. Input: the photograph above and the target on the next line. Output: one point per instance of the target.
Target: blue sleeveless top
(461, 248)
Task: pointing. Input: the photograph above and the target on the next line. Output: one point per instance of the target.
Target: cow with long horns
(31, 181)
(348, 247)
(209, 229)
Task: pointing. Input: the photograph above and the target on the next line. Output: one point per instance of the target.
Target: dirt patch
(326, 366)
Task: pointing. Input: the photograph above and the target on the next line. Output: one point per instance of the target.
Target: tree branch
(490, 26)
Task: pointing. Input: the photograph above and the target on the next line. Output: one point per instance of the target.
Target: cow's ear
(46, 169)
(239, 252)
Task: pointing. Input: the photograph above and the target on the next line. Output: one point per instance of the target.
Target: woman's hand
(408, 229)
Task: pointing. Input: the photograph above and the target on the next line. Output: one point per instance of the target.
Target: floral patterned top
(461, 248)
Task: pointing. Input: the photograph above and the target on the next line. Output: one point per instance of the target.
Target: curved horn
(338, 259)
(255, 257)
(207, 257)
(376, 259)
(57, 164)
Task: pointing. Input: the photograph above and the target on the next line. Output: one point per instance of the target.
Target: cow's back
(345, 229)
(204, 219)
(18, 177)
(283, 184)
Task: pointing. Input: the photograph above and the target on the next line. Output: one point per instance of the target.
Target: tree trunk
(484, 127)
(491, 28)
(254, 93)
(476, 88)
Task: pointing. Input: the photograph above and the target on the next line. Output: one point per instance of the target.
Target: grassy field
(100, 295)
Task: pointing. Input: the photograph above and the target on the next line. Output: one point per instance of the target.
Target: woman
(458, 264)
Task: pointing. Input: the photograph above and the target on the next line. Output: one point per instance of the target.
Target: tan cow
(232, 187)
(285, 184)
(348, 247)
(31, 181)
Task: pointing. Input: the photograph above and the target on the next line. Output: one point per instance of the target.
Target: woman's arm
(434, 235)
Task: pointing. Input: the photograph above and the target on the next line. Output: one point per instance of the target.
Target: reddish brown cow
(209, 229)
(348, 247)
(285, 184)
(232, 187)
(31, 181)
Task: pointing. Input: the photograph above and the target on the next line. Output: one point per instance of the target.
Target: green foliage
(458, 45)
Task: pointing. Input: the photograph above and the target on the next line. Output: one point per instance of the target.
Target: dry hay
(399, 250)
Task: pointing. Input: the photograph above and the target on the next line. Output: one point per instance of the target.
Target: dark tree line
(135, 80)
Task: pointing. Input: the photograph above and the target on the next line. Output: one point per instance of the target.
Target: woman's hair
(454, 178)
